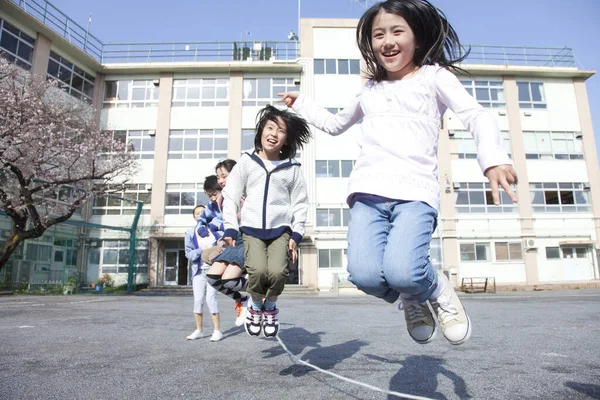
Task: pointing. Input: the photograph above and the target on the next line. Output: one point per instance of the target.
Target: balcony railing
(59, 22)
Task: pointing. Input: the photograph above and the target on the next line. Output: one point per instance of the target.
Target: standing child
(274, 212)
(408, 46)
(194, 245)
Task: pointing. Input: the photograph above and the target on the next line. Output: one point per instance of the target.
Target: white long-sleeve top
(400, 132)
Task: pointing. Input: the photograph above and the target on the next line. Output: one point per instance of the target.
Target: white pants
(202, 291)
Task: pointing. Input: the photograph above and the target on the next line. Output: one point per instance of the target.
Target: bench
(478, 285)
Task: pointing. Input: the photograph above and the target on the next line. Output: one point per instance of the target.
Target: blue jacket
(193, 249)
(212, 219)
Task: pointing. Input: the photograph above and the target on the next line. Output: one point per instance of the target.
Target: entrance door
(171, 267)
(577, 265)
(182, 270)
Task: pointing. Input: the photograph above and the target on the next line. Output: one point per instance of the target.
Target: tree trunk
(8, 248)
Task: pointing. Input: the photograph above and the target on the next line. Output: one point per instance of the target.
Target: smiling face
(272, 139)
(222, 175)
(394, 45)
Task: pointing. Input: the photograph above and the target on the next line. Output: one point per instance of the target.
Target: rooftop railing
(79, 36)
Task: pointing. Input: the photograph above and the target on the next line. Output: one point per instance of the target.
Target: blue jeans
(388, 248)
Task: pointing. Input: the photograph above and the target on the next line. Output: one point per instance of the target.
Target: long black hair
(298, 132)
(435, 38)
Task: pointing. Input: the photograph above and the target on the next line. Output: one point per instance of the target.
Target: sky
(544, 23)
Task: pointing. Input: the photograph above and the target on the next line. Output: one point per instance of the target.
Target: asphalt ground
(525, 345)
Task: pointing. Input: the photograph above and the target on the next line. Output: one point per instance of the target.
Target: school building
(185, 106)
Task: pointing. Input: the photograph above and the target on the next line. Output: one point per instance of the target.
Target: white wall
(335, 43)
(129, 118)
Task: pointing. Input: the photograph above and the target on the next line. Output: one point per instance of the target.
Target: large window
(334, 168)
(181, 198)
(466, 147)
(131, 93)
(331, 66)
(114, 205)
(263, 91)
(333, 217)
(16, 45)
(140, 142)
(200, 92)
(489, 94)
(115, 257)
(71, 78)
(473, 197)
(555, 253)
(531, 95)
(198, 143)
(559, 197)
(552, 145)
(331, 258)
(508, 251)
(474, 252)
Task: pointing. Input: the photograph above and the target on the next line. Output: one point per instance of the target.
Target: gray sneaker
(451, 315)
(419, 320)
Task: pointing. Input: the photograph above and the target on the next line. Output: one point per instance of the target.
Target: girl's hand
(503, 175)
(229, 241)
(292, 247)
(288, 98)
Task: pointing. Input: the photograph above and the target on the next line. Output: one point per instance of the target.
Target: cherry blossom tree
(53, 155)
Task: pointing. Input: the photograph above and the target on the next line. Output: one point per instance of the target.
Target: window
(130, 93)
(200, 92)
(115, 257)
(552, 253)
(69, 255)
(248, 140)
(181, 198)
(330, 217)
(330, 258)
(334, 168)
(198, 143)
(531, 95)
(466, 147)
(16, 45)
(508, 251)
(475, 197)
(334, 66)
(71, 78)
(114, 205)
(559, 197)
(263, 91)
(474, 251)
(140, 142)
(552, 145)
(574, 252)
(489, 94)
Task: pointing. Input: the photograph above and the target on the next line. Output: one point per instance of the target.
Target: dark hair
(228, 164)
(298, 132)
(197, 207)
(211, 183)
(437, 41)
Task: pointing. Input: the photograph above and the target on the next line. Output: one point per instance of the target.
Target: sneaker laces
(254, 316)
(445, 310)
(414, 309)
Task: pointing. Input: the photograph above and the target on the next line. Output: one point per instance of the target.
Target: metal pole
(132, 247)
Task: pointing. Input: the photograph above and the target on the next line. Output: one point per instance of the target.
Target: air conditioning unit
(587, 186)
(151, 133)
(456, 186)
(451, 133)
(148, 187)
(297, 82)
(530, 244)
(578, 135)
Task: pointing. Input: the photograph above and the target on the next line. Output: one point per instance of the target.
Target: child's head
(212, 187)
(280, 133)
(198, 210)
(222, 170)
(396, 36)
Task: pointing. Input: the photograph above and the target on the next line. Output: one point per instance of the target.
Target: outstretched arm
(333, 124)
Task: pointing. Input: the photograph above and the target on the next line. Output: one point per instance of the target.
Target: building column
(161, 149)
(447, 218)
(41, 56)
(589, 151)
(98, 95)
(513, 112)
(236, 95)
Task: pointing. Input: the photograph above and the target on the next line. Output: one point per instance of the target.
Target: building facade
(185, 107)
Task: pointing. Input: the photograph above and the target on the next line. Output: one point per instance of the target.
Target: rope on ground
(297, 360)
